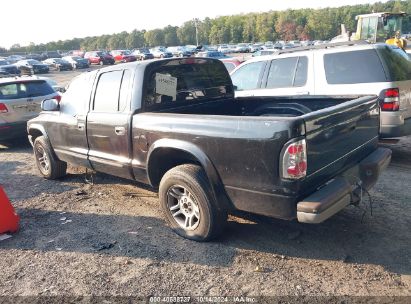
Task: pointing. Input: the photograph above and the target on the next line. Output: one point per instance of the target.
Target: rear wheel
(101, 62)
(188, 204)
(47, 163)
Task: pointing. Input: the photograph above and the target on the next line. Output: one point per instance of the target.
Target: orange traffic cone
(9, 220)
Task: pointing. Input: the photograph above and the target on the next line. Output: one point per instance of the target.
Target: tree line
(300, 24)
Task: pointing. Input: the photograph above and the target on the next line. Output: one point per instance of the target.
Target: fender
(198, 155)
(36, 128)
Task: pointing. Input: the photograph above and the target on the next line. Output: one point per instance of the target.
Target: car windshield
(126, 52)
(32, 61)
(58, 60)
(4, 62)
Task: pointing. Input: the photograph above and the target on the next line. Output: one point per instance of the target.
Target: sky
(41, 21)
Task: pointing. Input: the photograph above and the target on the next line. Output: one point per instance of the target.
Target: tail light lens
(58, 97)
(3, 108)
(391, 101)
(294, 164)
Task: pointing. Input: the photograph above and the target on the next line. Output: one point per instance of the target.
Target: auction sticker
(166, 85)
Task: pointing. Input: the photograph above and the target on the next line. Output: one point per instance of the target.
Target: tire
(101, 62)
(188, 204)
(47, 163)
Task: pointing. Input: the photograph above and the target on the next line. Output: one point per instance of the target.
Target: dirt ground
(110, 238)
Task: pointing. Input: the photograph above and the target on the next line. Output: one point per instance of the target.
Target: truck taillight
(3, 108)
(295, 160)
(391, 101)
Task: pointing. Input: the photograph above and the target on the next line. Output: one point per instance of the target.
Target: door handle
(81, 126)
(303, 93)
(120, 130)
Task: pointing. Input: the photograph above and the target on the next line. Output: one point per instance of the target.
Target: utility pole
(195, 20)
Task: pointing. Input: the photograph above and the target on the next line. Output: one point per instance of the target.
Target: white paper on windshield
(166, 85)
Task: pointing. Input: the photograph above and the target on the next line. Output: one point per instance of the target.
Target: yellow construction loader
(377, 27)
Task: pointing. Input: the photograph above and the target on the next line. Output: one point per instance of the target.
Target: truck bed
(244, 139)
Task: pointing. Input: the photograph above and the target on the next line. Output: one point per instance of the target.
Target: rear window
(398, 63)
(38, 88)
(25, 90)
(354, 67)
(187, 80)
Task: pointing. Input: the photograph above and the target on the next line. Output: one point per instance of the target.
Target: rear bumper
(12, 130)
(388, 131)
(343, 190)
(320, 205)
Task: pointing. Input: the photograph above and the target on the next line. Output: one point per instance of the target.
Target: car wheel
(47, 163)
(188, 203)
(161, 56)
(101, 62)
(74, 66)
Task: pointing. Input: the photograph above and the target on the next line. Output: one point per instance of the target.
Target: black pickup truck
(175, 124)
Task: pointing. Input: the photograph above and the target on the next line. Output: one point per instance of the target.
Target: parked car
(99, 57)
(49, 54)
(33, 56)
(31, 66)
(20, 99)
(14, 58)
(242, 48)
(7, 69)
(223, 48)
(161, 52)
(122, 56)
(264, 52)
(175, 124)
(377, 69)
(143, 54)
(77, 62)
(212, 54)
(179, 51)
(76, 53)
(58, 64)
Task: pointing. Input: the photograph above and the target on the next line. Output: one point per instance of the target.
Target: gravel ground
(110, 239)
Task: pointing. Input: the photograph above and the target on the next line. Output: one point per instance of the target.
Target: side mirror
(50, 105)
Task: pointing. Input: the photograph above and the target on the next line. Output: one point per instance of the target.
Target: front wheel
(47, 163)
(188, 204)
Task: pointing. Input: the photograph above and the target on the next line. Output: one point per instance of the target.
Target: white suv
(20, 99)
(336, 69)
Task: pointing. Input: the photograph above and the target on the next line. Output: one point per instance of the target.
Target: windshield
(32, 61)
(4, 62)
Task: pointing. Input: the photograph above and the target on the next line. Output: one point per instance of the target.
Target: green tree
(154, 37)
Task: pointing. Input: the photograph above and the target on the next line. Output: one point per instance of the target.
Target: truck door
(108, 124)
(67, 129)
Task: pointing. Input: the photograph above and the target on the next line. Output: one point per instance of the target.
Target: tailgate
(339, 137)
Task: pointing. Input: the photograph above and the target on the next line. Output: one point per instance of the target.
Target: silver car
(20, 100)
(341, 69)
